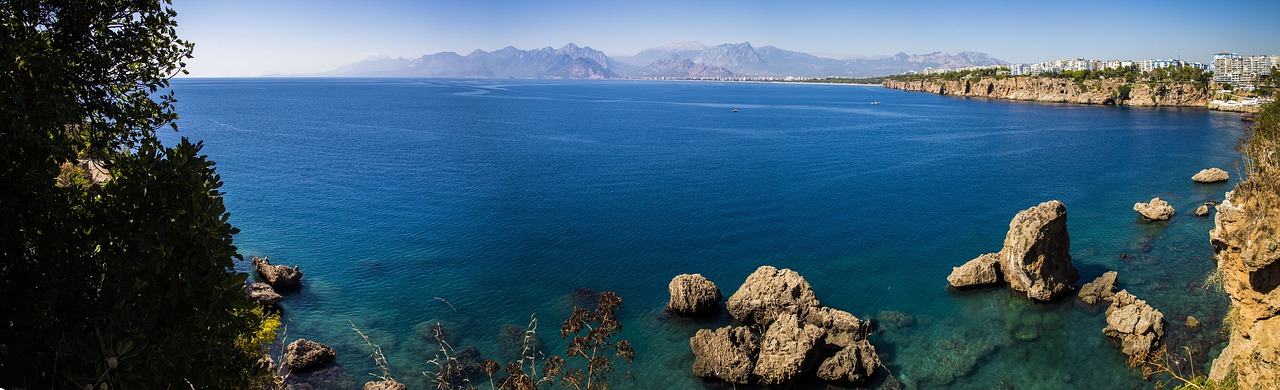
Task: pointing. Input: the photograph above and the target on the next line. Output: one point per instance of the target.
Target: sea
(494, 207)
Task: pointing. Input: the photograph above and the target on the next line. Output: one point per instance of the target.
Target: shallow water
(479, 203)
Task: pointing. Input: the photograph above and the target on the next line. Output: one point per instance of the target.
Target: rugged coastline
(1063, 90)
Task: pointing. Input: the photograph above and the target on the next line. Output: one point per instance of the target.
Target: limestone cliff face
(1245, 240)
(1045, 89)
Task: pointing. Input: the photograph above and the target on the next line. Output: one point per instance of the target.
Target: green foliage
(129, 283)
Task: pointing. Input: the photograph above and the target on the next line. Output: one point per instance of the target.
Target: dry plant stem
(378, 357)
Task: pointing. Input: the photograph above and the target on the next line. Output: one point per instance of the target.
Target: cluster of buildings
(1242, 71)
(1229, 68)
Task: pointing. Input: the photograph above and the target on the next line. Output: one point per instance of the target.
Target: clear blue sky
(255, 37)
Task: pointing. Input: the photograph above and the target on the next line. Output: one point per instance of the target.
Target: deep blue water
(481, 203)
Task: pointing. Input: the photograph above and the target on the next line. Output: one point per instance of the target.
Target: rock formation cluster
(1134, 323)
(1035, 258)
(786, 335)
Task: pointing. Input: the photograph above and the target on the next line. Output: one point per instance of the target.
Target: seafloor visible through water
(479, 204)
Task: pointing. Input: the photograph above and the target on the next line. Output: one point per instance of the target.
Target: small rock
(1155, 210)
(264, 294)
(1211, 175)
(692, 294)
(1102, 288)
(304, 355)
(278, 276)
(1193, 323)
(983, 270)
(384, 385)
(728, 353)
(1203, 210)
(853, 364)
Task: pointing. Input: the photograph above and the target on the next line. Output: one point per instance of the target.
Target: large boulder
(728, 353)
(1155, 210)
(1102, 288)
(1036, 256)
(1211, 175)
(305, 355)
(983, 270)
(264, 294)
(278, 276)
(853, 364)
(692, 294)
(788, 349)
(769, 292)
(1134, 323)
(839, 328)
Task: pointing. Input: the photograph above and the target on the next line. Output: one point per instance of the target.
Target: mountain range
(676, 60)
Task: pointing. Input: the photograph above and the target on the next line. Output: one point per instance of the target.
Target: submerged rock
(981, 271)
(1134, 323)
(305, 355)
(692, 294)
(1211, 175)
(1036, 258)
(384, 385)
(278, 276)
(1155, 210)
(728, 353)
(769, 292)
(853, 364)
(1102, 288)
(788, 349)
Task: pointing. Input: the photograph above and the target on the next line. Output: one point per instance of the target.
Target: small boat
(734, 110)
(1247, 117)
(875, 102)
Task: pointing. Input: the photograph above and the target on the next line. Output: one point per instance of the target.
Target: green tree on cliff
(127, 283)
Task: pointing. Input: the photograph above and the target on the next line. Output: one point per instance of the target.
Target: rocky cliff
(1246, 245)
(1059, 90)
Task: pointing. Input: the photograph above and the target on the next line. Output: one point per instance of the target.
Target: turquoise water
(481, 203)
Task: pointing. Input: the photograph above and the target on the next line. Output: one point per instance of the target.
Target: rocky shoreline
(1061, 90)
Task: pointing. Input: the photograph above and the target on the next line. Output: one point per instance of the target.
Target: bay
(481, 203)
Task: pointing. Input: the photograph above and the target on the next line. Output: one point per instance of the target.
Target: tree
(128, 283)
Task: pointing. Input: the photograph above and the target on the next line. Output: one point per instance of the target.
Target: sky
(260, 37)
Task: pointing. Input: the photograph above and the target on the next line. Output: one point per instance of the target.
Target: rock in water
(278, 276)
(853, 364)
(1102, 288)
(769, 292)
(728, 353)
(1155, 210)
(305, 355)
(983, 270)
(839, 328)
(1136, 324)
(692, 294)
(1203, 210)
(384, 385)
(1211, 175)
(1036, 257)
(264, 294)
(789, 348)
